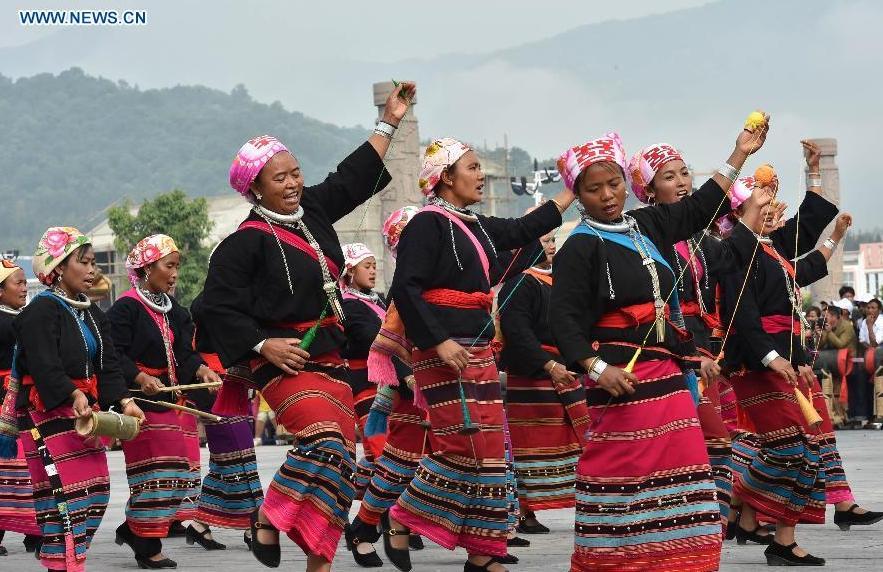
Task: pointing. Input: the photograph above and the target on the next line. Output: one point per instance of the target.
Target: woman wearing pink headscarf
(447, 263)
(645, 496)
(153, 335)
(272, 302)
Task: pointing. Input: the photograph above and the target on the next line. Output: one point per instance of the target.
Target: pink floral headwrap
(441, 154)
(740, 190)
(646, 163)
(394, 225)
(146, 252)
(577, 159)
(354, 253)
(249, 161)
(56, 244)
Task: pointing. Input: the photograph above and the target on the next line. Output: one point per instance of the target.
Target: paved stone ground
(859, 549)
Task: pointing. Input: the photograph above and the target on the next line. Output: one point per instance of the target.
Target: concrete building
(863, 270)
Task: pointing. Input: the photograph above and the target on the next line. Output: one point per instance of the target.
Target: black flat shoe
(508, 559)
(247, 540)
(3, 551)
(415, 542)
(367, 532)
(470, 567)
(176, 529)
(270, 555)
(744, 536)
(517, 542)
(525, 528)
(365, 560)
(778, 555)
(123, 535)
(32, 542)
(846, 518)
(731, 530)
(147, 563)
(201, 538)
(401, 559)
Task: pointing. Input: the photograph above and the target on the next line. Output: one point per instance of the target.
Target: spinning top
(755, 120)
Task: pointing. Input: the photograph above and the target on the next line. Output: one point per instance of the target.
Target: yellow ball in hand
(755, 119)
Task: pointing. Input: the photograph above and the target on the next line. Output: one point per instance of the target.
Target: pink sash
(684, 250)
(161, 324)
(292, 239)
(381, 313)
(482, 255)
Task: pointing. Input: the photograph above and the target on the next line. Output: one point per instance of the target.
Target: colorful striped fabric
(784, 479)
(311, 494)
(163, 481)
(513, 507)
(837, 488)
(372, 446)
(231, 490)
(458, 494)
(546, 426)
(727, 398)
(82, 467)
(406, 444)
(719, 447)
(645, 494)
(17, 496)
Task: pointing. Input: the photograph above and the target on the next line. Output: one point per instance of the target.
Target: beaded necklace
(464, 214)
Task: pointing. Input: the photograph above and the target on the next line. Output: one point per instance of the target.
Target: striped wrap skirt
(458, 496)
(17, 496)
(310, 496)
(645, 492)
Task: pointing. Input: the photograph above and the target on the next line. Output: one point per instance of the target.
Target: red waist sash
(358, 363)
(213, 362)
(457, 299)
(88, 386)
(630, 316)
(551, 349)
(304, 326)
(779, 324)
(4, 377)
(692, 309)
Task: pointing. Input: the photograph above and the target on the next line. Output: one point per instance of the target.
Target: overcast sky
(382, 31)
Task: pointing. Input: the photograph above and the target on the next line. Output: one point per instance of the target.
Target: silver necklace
(81, 303)
(158, 302)
(80, 314)
(466, 215)
(372, 297)
(9, 310)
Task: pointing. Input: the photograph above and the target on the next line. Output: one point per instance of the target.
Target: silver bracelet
(829, 244)
(385, 129)
(814, 182)
(597, 369)
(729, 171)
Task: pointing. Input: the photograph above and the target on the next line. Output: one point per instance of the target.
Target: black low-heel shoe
(247, 540)
(176, 529)
(32, 542)
(415, 542)
(201, 538)
(367, 532)
(508, 559)
(779, 555)
(731, 530)
(846, 518)
(270, 555)
(400, 558)
(517, 542)
(124, 535)
(365, 560)
(470, 567)
(148, 564)
(525, 528)
(744, 536)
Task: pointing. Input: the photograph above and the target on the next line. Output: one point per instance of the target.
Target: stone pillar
(403, 163)
(826, 289)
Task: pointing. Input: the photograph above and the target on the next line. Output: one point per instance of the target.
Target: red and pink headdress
(646, 163)
(249, 161)
(577, 159)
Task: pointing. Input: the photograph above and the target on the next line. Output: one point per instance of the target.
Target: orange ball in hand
(765, 175)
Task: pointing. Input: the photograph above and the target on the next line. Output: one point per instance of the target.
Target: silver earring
(259, 196)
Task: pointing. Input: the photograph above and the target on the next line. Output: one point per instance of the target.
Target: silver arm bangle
(385, 129)
(729, 171)
(597, 369)
(829, 244)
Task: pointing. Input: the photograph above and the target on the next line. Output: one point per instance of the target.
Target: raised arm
(512, 233)
(363, 174)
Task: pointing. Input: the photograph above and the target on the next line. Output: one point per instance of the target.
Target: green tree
(185, 220)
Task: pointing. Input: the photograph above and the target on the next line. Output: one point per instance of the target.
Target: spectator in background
(846, 292)
(823, 306)
(838, 332)
(813, 318)
(871, 329)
